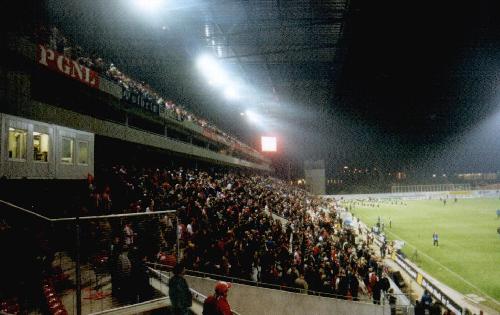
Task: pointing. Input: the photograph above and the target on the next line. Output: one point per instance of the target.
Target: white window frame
(33, 145)
(25, 145)
(78, 153)
(72, 151)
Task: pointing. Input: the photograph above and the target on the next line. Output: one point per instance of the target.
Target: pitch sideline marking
(450, 271)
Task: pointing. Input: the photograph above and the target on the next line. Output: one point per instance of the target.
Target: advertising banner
(59, 63)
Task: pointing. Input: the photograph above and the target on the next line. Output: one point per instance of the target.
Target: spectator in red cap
(217, 304)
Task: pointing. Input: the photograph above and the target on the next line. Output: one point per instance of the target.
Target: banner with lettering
(59, 63)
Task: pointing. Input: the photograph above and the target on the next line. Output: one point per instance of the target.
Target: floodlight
(231, 93)
(253, 117)
(212, 70)
(149, 5)
(207, 30)
(205, 62)
(217, 78)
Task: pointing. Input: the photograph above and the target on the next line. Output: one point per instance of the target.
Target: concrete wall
(248, 300)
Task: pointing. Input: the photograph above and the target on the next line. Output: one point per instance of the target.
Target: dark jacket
(179, 293)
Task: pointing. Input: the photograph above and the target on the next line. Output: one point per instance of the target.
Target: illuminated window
(83, 152)
(40, 147)
(67, 151)
(17, 144)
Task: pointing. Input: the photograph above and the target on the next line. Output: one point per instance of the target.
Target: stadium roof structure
(287, 54)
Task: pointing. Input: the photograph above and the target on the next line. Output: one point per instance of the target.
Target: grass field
(468, 256)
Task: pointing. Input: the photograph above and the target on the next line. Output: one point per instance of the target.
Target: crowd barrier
(161, 285)
(249, 299)
(427, 284)
(415, 273)
(81, 273)
(140, 100)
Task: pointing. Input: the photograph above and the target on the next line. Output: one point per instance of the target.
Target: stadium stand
(224, 231)
(137, 93)
(224, 224)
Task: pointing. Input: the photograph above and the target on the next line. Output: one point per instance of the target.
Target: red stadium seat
(52, 300)
(55, 307)
(60, 311)
(49, 295)
(168, 260)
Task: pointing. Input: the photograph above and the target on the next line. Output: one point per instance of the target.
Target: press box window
(83, 152)
(67, 151)
(17, 144)
(40, 147)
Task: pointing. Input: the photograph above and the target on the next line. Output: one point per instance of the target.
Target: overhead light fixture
(252, 117)
(149, 5)
(212, 70)
(231, 93)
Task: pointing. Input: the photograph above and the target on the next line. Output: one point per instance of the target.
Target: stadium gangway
(402, 307)
(159, 281)
(138, 307)
(157, 268)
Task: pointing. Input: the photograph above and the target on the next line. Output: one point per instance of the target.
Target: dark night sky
(417, 87)
(423, 78)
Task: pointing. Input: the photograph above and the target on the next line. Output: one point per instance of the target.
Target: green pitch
(468, 256)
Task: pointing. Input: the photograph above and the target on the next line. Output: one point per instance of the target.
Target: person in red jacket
(217, 304)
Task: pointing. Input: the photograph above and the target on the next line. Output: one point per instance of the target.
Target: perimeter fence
(81, 265)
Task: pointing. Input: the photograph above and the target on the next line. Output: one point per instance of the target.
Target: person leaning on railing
(217, 304)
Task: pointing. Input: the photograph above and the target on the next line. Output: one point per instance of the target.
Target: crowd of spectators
(55, 40)
(226, 225)
(224, 219)
(226, 228)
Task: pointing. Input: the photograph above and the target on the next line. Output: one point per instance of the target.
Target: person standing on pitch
(435, 239)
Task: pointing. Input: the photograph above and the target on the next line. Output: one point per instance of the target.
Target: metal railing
(363, 299)
(197, 296)
(414, 273)
(77, 256)
(90, 217)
